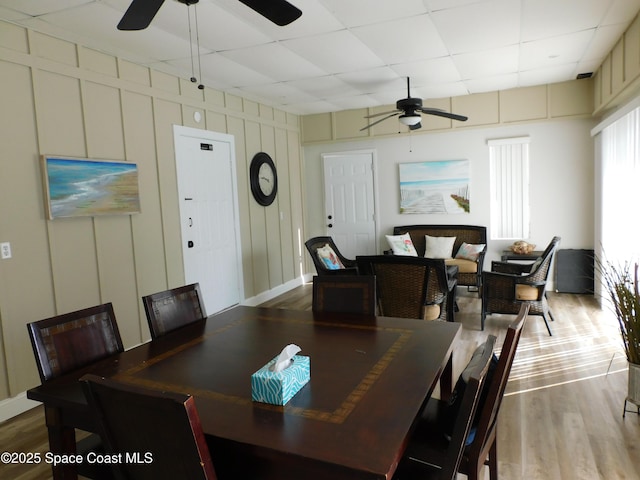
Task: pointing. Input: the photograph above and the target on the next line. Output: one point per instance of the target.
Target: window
(509, 172)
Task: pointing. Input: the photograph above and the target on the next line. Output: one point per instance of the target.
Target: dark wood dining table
(370, 377)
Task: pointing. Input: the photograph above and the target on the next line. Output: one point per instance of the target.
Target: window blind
(509, 172)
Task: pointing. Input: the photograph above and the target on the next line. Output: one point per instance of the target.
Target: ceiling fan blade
(442, 113)
(382, 113)
(279, 12)
(416, 126)
(139, 14)
(378, 121)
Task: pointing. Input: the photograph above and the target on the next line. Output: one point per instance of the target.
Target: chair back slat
(70, 341)
(173, 309)
(345, 294)
(162, 427)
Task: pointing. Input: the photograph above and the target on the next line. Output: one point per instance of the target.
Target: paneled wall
(520, 105)
(618, 78)
(61, 98)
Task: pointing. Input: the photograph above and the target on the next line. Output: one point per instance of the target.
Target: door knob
(330, 225)
(330, 217)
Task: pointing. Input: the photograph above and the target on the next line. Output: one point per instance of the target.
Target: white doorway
(209, 215)
(350, 210)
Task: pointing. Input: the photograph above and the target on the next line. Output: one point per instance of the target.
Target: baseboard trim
(11, 407)
(279, 290)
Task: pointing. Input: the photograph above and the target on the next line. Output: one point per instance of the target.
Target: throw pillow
(402, 245)
(329, 258)
(469, 251)
(438, 247)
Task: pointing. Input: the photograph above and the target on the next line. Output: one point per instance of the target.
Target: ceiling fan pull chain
(193, 73)
(195, 10)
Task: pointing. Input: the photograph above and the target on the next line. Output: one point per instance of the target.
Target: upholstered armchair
(509, 285)
(327, 258)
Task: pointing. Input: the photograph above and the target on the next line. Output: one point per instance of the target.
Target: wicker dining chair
(411, 287)
(509, 285)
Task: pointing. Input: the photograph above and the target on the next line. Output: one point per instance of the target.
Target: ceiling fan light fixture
(409, 119)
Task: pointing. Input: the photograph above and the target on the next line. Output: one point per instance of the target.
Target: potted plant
(620, 282)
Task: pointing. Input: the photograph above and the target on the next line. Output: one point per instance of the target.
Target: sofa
(475, 238)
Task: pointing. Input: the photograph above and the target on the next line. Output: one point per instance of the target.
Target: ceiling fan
(140, 12)
(409, 110)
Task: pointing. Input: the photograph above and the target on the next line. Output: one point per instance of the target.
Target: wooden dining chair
(345, 294)
(482, 449)
(69, 342)
(473, 382)
(158, 434)
(173, 309)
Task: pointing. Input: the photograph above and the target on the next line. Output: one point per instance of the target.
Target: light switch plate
(5, 250)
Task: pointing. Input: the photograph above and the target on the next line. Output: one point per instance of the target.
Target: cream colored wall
(61, 98)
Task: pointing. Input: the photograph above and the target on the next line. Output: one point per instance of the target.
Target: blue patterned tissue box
(278, 388)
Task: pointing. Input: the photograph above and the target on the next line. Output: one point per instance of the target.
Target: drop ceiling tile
(488, 63)
(403, 40)
(425, 72)
(279, 94)
(335, 52)
(604, 40)
(556, 74)
(354, 13)
(490, 84)
(227, 72)
(555, 51)
(550, 18)
(275, 61)
(372, 80)
(324, 87)
(479, 26)
(621, 12)
(435, 5)
(41, 7)
(315, 19)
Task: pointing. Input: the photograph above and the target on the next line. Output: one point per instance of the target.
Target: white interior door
(350, 212)
(205, 163)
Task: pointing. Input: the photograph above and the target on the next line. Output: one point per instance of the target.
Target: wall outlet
(5, 250)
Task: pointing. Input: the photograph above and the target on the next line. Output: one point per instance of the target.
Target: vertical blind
(509, 172)
(620, 163)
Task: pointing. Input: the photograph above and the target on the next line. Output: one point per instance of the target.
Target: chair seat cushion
(431, 312)
(526, 292)
(464, 266)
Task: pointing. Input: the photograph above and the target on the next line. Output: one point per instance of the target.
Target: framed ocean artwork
(437, 187)
(80, 187)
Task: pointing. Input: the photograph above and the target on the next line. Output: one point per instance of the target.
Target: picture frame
(435, 187)
(81, 187)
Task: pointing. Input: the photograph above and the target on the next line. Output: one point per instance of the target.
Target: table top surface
(370, 376)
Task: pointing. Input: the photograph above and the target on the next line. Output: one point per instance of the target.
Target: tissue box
(279, 387)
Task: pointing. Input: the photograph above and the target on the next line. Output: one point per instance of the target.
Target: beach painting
(437, 187)
(82, 187)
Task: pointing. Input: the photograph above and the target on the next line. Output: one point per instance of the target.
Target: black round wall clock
(263, 178)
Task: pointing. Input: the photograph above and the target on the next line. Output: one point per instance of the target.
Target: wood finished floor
(561, 417)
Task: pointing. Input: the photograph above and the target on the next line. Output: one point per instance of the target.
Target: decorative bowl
(522, 247)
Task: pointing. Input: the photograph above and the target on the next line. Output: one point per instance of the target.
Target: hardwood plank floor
(561, 417)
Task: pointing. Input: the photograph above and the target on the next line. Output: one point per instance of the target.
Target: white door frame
(207, 135)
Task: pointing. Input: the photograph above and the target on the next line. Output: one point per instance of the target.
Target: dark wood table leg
(62, 440)
(446, 379)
